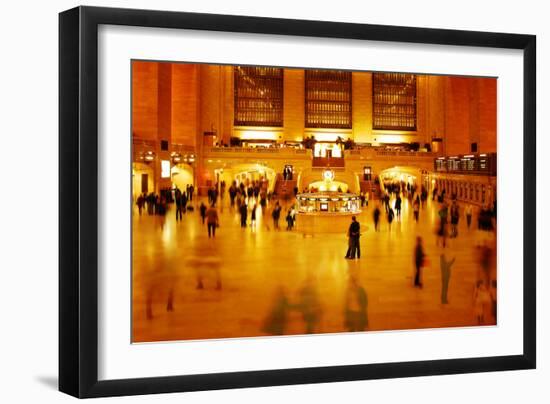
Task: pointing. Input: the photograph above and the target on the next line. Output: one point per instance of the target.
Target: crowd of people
(249, 199)
(448, 217)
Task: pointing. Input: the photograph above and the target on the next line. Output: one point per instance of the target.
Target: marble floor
(259, 281)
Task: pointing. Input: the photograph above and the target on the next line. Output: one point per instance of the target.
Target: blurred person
(442, 230)
(423, 196)
(390, 218)
(397, 206)
(222, 190)
(445, 266)
(243, 210)
(179, 196)
(207, 265)
(416, 209)
(290, 216)
(485, 261)
(212, 220)
(253, 215)
(276, 320)
(140, 202)
(455, 215)
(482, 302)
(232, 194)
(215, 194)
(161, 211)
(355, 307)
(376, 217)
(419, 261)
(263, 201)
(276, 214)
(309, 305)
(468, 212)
(202, 210)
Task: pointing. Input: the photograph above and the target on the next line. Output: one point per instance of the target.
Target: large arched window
(258, 96)
(394, 101)
(328, 99)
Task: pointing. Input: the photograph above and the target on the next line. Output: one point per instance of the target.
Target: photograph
(282, 201)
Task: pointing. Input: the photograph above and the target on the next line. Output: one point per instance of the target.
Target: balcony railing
(333, 162)
(276, 151)
(372, 152)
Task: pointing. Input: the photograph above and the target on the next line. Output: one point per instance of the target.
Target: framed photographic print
(251, 201)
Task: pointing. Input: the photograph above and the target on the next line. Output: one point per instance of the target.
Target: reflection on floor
(257, 281)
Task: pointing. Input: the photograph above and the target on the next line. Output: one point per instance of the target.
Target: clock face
(328, 175)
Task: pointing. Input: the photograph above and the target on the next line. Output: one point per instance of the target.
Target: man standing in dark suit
(353, 234)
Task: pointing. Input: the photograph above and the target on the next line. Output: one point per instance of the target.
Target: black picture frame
(78, 201)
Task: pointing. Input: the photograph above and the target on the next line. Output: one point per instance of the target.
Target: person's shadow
(48, 381)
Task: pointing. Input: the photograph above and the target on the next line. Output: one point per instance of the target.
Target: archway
(182, 175)
(400, 175)
(246, 173)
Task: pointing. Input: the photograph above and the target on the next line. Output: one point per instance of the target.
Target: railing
(335, 162)
(371, 152)
(258, 150)
(182, 148)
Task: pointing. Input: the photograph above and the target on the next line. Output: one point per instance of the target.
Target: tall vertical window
(328, 99)
(258, 96)
(394, 101)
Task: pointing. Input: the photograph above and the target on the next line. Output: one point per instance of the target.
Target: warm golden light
(165, 168)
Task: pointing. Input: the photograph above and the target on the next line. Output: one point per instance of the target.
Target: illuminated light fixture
(258, 135)
(327, 137)
(165, 168)
(323, 199)
(441, 158)
(149, 158)
(345, 199)
(483, 155)
(453, 157)
(469, 156)
(335, 199)
(209, 161)
(393, 138)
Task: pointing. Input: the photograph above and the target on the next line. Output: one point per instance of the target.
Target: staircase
(371, 188)
(284, 188)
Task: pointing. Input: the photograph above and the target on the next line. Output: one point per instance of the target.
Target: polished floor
(258, 281)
